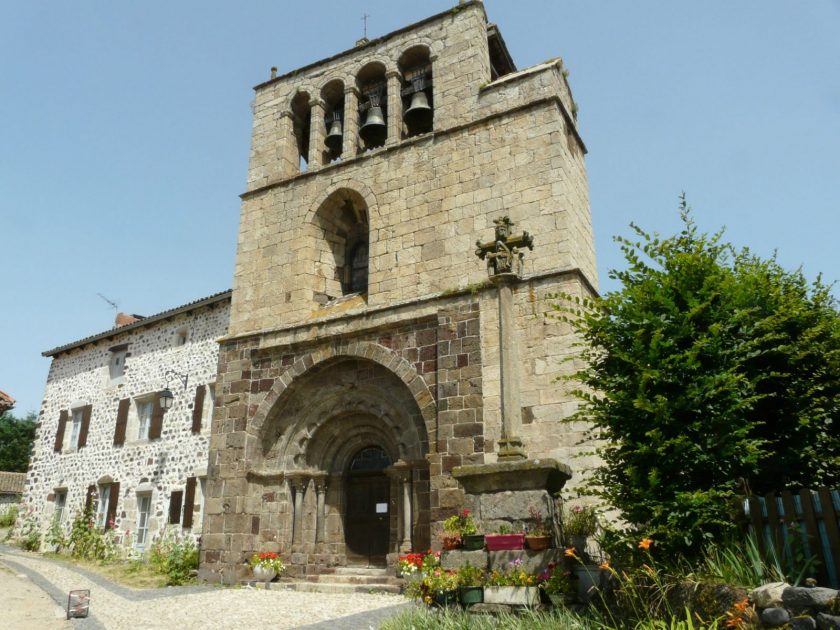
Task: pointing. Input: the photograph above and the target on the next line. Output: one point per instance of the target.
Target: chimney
(124, 319)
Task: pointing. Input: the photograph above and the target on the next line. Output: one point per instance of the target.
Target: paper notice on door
(381, 508)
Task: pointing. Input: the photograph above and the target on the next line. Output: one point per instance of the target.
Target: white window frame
(60, 505)
(75, 427)
(116, 365)
(202, 494)
(104, 500)
(144, 422)
(207, 410)
(142, 528)
(182, 336)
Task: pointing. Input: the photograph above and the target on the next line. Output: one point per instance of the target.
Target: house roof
(146, 321)
(6, 401)
(12, 482)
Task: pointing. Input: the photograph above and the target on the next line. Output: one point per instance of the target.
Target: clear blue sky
(124, 132)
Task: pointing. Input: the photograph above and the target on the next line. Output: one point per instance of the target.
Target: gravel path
(114, 607)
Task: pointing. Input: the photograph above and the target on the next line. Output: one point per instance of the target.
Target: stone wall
(80, 376)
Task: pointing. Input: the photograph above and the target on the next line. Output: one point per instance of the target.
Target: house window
(60, 502)
(116, 364)
(181, 336)
(202, 493)
(144, 507)
(207, 410)
(144, 419)
(102, 505)
(75, 428)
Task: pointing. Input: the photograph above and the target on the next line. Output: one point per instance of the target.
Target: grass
(418, 617)
(133, 574)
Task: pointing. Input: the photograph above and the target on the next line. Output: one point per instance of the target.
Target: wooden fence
(804, 524)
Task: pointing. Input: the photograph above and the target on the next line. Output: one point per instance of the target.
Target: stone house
(11, 489)
(105, 438)
(365, 360)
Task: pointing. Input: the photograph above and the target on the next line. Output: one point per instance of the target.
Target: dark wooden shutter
(156, 425)
(83, 430)
(189, 502)
(59, 435)
(122, 421)
(198, 410)
(113, 500)
(175, 507)
(91, 491)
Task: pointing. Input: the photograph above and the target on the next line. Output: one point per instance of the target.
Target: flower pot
(474, 542)
(504, 542)
(263, 574)
(588, 579)
(512, 595)
(451, 542)
(471, 595)
(538, 543)
(579, 544)
(445, 598)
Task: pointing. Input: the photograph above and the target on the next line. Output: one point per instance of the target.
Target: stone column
(401, 473)
(350, 146)
(395, 112)
(287, 147)
(317, 133)
(298, 482)
(510, 446)
(320, 514)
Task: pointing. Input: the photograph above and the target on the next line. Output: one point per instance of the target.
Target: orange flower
(570, 553)
(645, 543)
(604, 566)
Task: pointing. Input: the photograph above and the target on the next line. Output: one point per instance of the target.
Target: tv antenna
(111, 303)
(364, 18)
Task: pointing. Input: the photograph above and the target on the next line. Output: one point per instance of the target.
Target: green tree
(16, 437)
(708, 374)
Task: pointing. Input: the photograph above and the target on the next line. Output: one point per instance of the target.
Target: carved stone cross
(504, 253)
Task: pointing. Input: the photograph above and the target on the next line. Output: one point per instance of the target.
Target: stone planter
(471, 595)
(263, 574)
(504, 542)
(538, 543)
(579, 545)
(473, 542)
(512, 595)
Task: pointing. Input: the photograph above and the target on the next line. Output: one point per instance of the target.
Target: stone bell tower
(363, 362)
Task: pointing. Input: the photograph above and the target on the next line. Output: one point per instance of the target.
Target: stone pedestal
(502, 493)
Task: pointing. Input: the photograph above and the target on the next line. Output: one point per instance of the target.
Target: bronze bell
(335, 136)
(418, 116)
(374, 131)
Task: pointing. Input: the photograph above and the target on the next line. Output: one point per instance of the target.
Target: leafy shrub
(87, 541)
(8, 518)
(174, 556)
(28, 531)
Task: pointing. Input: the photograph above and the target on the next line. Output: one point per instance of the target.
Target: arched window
(357, 271)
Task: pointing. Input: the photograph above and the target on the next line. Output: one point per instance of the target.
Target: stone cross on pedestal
(504, 266)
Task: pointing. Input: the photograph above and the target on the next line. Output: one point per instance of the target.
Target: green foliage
(174, 556)
(16, 437)
(461, 523)
(88, 542)
(28, 534)
(469, 575)
(8, 518)
(579, 520)
(710, 373)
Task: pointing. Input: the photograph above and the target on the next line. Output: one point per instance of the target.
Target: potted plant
(470, 583)
(266, 565)
(460, 530)
(440, 587)
(414, 567)
(514, 586)
(579, 523)
(556, 582)
(504, 540)
(538, 536)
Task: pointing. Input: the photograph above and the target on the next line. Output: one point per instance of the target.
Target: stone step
(321, 587)
(374, 571)
(358, 579)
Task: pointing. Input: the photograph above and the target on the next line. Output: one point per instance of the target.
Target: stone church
(411, 205)
(363, 361)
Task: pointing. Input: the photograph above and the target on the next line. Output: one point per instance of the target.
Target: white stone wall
(160, 466)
